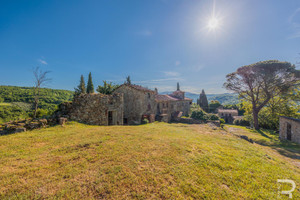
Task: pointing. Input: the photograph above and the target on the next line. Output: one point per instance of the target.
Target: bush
(200, 115)
(41, 113)
(241, 122)
(212, 117)
(145, 121)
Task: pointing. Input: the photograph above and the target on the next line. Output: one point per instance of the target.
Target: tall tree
(90, 85)
(128, 80)
(81, 87)
(107, 88)
(202, 101)
(259, 82)
(40, 79)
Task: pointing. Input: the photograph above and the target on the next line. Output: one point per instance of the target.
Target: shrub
(200, 115)
(41, 113)
(212, 117)
(145, 121)
(241, 122)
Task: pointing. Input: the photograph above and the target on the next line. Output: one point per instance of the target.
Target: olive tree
(259, 82)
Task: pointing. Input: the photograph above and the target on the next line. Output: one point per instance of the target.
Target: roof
(227, 111)
(165, 97)
(137, 87)
(294, 119)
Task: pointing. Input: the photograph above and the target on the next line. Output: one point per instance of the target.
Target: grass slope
(153, 161)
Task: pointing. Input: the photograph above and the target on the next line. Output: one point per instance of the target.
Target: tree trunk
(255, 119)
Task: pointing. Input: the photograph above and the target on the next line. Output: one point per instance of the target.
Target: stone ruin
(96, 109)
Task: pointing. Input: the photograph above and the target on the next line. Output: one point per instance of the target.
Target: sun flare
(213, 23)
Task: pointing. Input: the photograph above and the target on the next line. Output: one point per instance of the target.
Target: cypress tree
(90, 85)
(202, 101)
(81, 87)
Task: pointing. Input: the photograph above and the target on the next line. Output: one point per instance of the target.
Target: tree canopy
(107, 88)
(259, 82)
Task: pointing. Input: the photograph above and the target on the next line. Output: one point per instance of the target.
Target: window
(149, 95)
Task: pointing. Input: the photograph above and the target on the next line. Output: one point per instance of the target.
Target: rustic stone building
(172, 105)
(289, 129)
(228, 114)
(96, 109)
(139, 103)
(130, 104)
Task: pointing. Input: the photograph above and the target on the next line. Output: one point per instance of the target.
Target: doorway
(110, 117)
(288, 131)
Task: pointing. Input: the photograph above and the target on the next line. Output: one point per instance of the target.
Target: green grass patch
(5, 104)
(152, 161)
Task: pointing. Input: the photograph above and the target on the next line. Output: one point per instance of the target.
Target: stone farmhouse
(228, 114)
(128, 105)
(289, 129)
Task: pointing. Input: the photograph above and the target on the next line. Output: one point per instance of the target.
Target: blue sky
(156, 42)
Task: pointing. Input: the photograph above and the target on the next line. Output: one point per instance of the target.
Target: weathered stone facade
(228, 114)
(172, 106)
(139, 103)
(129, 105)
(289, 129)
(96, 109)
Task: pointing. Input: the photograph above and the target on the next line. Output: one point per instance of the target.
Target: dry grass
(153, 161)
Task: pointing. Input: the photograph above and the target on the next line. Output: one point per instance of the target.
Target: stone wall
(137, 104)
(290, 126)
(168, 109)
(95, 109)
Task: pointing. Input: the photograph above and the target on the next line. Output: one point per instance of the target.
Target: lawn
(153, 161)
(5, 104)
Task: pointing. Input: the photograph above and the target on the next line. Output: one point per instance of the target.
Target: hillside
(153, 161)
(225, 99)
(16, 102)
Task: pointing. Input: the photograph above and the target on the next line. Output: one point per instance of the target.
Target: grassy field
(153, 161)
(5, 104)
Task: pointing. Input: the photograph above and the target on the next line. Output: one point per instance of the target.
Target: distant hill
(18, 101)
(49, 97)
(226, 98)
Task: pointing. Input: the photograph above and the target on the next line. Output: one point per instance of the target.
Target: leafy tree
(213, 105)
(81, 87)
(268, 117)
(90, 85)
(202, 101)
(41, 79)
(107, 88)
(1, 99)
(128, 80)
(259, 82)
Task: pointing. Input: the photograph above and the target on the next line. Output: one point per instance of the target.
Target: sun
(213, 23)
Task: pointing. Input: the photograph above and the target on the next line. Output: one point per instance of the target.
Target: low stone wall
(95, 109)
(23, 125)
